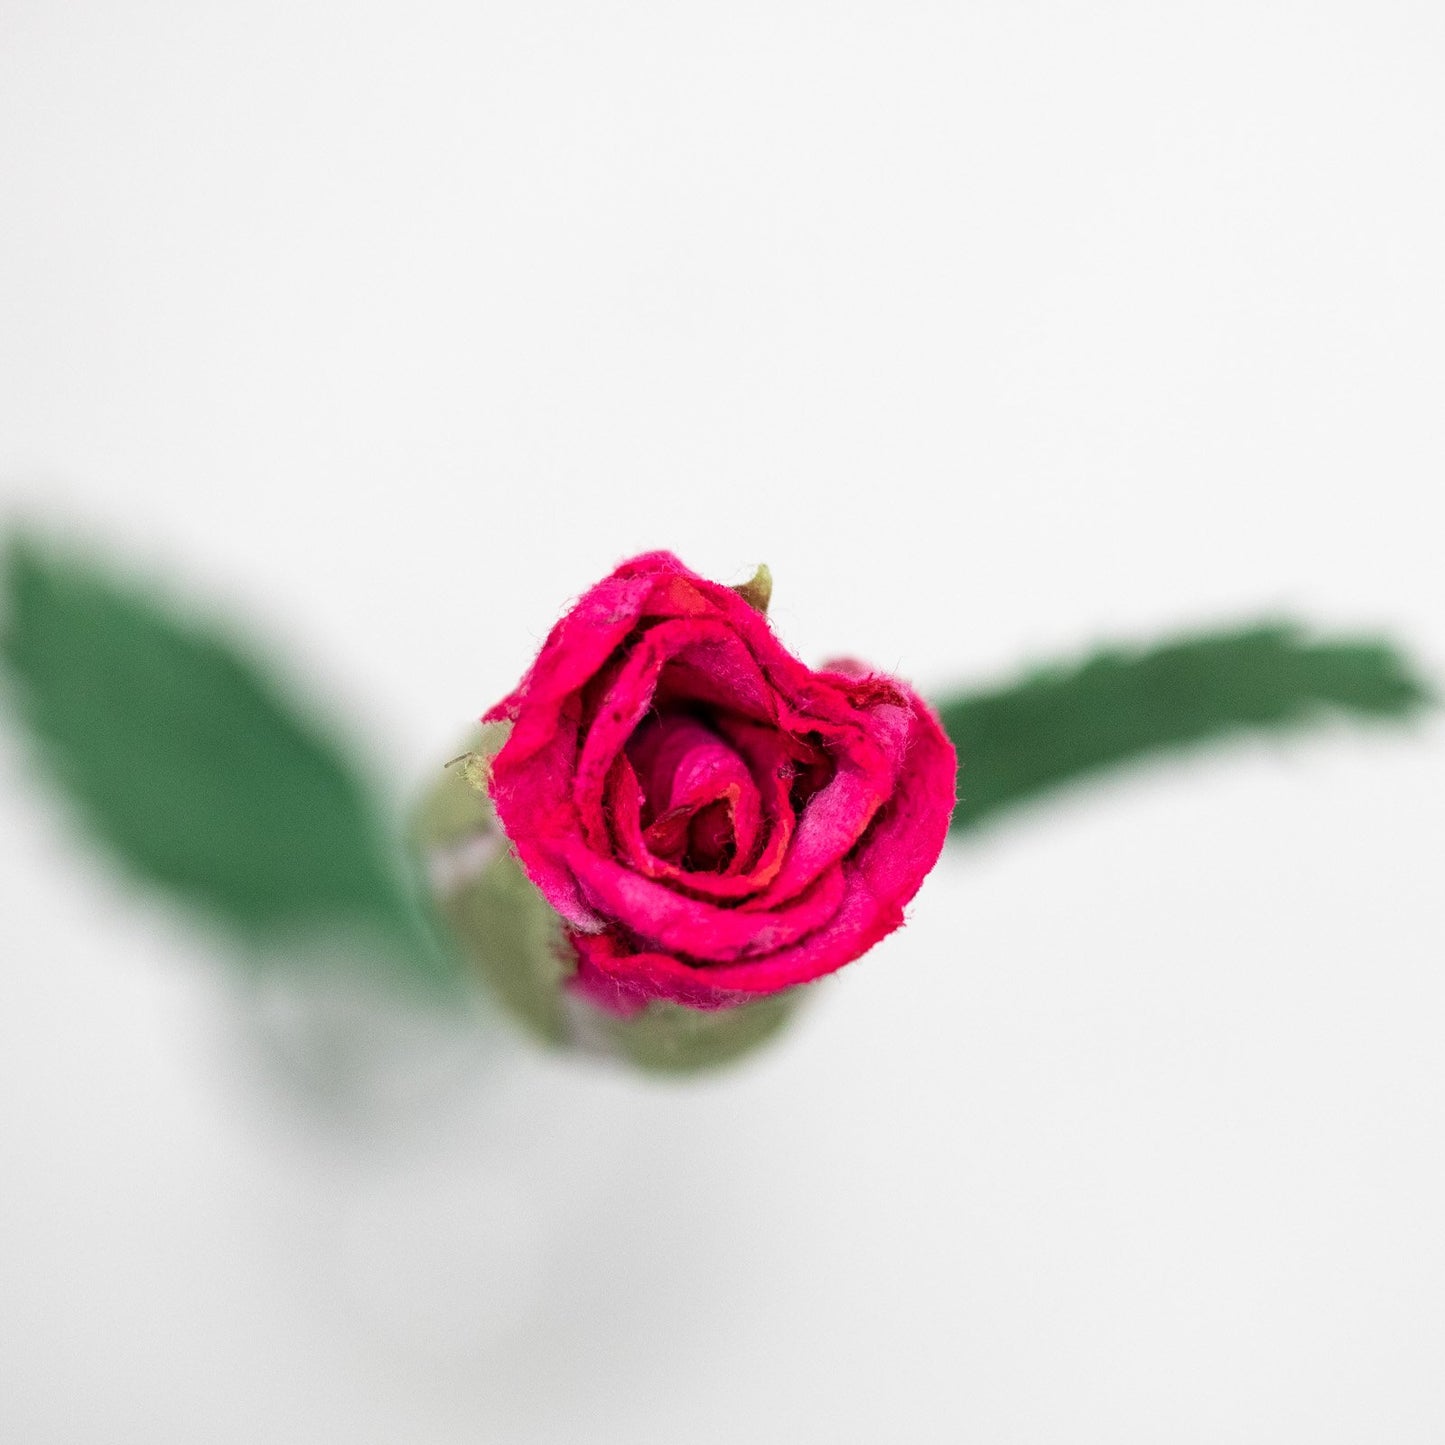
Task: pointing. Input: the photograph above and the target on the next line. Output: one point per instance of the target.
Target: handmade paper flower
(712, 820)
(706, 821)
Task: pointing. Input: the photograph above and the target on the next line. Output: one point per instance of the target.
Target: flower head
(713, 820)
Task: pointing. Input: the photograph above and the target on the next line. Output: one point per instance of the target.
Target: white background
(994, 328)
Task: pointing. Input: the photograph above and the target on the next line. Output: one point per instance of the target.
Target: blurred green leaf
(1054, 726)
(188, 762)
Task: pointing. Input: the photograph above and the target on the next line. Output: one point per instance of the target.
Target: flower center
(700, 805)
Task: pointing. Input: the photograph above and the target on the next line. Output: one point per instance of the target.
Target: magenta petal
(685, 768)
(879, 880)
(664, 917)
(712, 819)
(761, 752)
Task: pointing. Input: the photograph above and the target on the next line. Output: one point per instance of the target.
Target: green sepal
(515, 940)
(502, 927)
(668, 1038)
(757, 591)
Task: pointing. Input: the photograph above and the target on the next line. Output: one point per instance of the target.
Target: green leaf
(187, 761)
(1055, 726)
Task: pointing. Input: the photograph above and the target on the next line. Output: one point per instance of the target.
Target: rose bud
(710, 822)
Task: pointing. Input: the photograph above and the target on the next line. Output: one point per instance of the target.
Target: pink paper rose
(712, 820)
